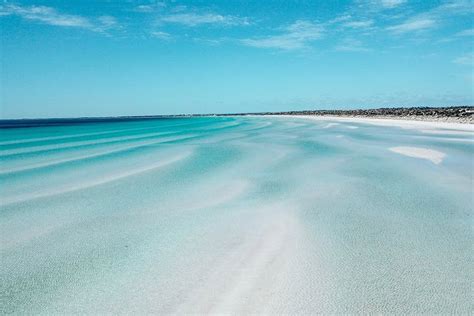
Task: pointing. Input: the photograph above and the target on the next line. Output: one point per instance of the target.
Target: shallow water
(235, 215)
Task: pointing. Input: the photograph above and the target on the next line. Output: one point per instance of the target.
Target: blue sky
(107, 58)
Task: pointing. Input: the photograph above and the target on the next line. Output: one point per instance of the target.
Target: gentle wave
(99, 181)
(51, 163)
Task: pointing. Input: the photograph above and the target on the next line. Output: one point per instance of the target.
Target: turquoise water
(234, 215)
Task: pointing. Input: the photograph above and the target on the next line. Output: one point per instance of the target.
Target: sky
(111, 58)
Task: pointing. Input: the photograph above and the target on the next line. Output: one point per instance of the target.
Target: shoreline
(448, 117)
(404, 122)
(430, 119)
(453, 114)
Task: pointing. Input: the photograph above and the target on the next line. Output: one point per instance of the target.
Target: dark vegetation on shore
(455, 113)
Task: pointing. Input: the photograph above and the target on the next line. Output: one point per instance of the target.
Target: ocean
(235, 215)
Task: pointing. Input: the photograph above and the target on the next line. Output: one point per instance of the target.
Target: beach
(237, 215)
(401, 121)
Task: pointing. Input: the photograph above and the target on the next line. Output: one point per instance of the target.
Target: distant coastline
(454, 114)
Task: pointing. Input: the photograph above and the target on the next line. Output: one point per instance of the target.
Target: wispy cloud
(351, 45)
(468, 32)
(467, 59)
(210, 41)
(146, 8)
(195, 19)
(107, 22)
(377, 6)
(359, 24)
(454, 7)
(413, 25)
(46, 15)
(50, 16)
(161, 35)
(295, 36)
(391, 3)
(434, 17)
(341, 18)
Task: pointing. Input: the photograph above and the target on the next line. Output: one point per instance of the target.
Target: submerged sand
(244, 215)
(432, 155)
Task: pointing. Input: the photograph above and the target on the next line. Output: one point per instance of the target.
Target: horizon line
(156, 116)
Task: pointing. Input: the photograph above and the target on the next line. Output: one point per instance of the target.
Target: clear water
(234, 215)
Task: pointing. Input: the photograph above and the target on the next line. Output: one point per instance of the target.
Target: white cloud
(467, 59)
(376, 6)
(413, 25)
(455, 7)
(359, 24)
(144, 8)
(45, 15)
(51, 16)
(391, 3)
(340, 18)
(150, 7)
(468, 32)
(161, 35)
(435, 16)
(196, 19)
(296, 36)
(108, 22)
(209, 41)
(351, 45)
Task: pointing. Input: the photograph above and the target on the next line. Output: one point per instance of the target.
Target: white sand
(421, 125)
(447, 132)
(242, 279)
(434, 156)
